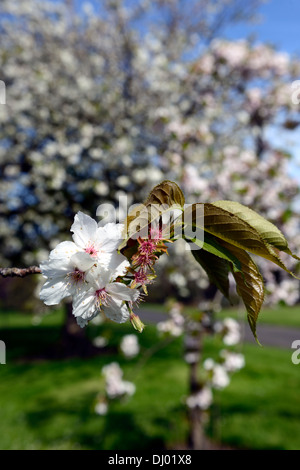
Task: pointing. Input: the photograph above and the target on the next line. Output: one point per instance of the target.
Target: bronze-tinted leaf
(165, 197)
(249, 285)
(211, 245)
(216, 268)
(238, 232)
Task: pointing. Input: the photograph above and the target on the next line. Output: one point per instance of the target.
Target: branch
(20, 272)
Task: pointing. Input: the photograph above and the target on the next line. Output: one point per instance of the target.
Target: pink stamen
(141, 277)
(147, 247)
(101, 297)
(77, 276)
(91, 250)
(156, 234)
(145, 260)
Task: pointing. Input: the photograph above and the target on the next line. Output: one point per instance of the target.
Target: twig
(19, 272)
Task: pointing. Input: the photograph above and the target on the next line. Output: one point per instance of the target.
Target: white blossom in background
(130, 346)
(220, 378)
(202, 399)
(217, 374)
(209, 364)
(175, 324)
(100, 341)
(115, 386)
(230, 330)
(170, 327)
(232, 361)
(191, 357)
(101, 408)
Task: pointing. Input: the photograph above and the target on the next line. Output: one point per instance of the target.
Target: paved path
(268, 335)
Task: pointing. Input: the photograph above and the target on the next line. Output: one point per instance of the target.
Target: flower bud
(136, 322)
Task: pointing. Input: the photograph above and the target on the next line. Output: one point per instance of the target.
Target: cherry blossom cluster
(130, 346)
(216, 374)
(92, 271)
(230, 330)
(115, 388)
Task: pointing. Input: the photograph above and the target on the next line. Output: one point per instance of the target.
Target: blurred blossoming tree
(109, 100)
(104, 101)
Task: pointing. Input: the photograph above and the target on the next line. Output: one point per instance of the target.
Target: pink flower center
(77, 276)
(91, 250)
(101, 297)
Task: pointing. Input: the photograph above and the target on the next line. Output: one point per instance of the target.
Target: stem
(19, 272)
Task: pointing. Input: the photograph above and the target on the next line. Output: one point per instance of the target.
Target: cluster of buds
(148, 252)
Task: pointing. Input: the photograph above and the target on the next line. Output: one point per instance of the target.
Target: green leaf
(268, 231)
(249, 285)
(216, 268)
(236, 231)
(211, 244)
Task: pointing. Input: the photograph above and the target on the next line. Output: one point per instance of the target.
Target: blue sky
(279, 25)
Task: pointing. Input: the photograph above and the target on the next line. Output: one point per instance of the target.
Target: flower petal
(54, 290)
(84, 304)
(84, 230)
(102, 274)
(116, 311)
(64, 250)
(98, 276)
(83, 261)
(117, 265)
(121, 292)
(109, 237)
(55, 268)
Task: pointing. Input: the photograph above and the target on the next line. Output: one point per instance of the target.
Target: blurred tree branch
(19, 272)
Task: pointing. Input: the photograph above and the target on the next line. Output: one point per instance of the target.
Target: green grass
(261, 408)
(49, 404)
(280, 315)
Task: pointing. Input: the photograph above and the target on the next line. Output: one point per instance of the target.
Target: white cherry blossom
(64, 276)
(105, 293)
(97, 241)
